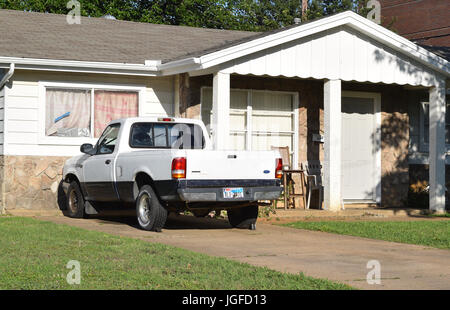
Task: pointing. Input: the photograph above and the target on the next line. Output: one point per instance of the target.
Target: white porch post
(332, 147)
(221, 110)
(437, 147)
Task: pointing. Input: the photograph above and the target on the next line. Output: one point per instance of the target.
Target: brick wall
(425, 21)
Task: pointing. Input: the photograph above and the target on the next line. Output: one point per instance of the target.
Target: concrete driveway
(335, 257)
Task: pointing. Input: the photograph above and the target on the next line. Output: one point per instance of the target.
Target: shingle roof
(49, 36)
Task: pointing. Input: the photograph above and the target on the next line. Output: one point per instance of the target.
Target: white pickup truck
(159, 165)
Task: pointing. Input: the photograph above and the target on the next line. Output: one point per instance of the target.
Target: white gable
(339, 53)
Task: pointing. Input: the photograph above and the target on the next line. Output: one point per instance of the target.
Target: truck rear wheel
(151, 214)
(244, 217)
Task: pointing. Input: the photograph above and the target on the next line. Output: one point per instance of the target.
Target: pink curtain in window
(112, 105)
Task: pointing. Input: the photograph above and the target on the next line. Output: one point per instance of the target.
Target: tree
(250, 15)
(320, 8)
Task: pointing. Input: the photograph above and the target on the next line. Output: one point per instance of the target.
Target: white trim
(6, 90)
(295, 145)
(377, 134)
(249, 139)
(42, 85)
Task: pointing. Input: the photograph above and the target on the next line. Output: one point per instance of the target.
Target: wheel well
(71, 177)
(140, 180)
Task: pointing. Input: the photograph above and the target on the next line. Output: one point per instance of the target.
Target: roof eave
(150, 68)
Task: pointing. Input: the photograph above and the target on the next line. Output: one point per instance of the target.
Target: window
(258, 119)
(425, 123)
(84, 112)
(68, 112)
(160, 135)
(107, 141)
(111, 105)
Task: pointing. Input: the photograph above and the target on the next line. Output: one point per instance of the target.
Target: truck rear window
(167, 136)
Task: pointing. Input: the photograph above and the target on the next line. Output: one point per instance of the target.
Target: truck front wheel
(151, 214)
(244, 217)
(75, 201)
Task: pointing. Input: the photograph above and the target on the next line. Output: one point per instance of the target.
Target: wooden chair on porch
(288, 181)
(313, 173)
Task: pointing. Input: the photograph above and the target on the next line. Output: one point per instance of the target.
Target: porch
(352, 88)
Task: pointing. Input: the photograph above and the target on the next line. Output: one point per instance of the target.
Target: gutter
(180, 66)
(149, 68)
(8, 75)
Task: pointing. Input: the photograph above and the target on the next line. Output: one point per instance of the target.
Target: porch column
(332, 146)
(221, 110)
(437, 147)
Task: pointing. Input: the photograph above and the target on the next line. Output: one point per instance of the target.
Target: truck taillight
(179, 168)
(165, 119)
(279, 169)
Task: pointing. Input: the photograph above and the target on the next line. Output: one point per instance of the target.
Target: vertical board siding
(22, 107)
(340, 53)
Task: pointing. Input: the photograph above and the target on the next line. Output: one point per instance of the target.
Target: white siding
(2, 116)
(341, 53)
(23, 117)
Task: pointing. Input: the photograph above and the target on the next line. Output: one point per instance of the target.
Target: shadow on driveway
(174, 221)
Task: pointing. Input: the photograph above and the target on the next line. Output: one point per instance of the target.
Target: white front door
(359, 149)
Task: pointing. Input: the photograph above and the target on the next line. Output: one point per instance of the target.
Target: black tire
(75, 201)
(244, 217)
(151, 215)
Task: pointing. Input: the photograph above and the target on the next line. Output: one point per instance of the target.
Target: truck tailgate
(227, 165)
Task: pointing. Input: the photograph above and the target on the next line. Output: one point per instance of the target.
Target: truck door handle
(108, 161)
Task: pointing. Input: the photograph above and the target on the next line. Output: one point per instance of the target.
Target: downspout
(7, 76)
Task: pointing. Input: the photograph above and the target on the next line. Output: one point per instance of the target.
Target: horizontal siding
(23, 110)
(340, 53)
(2, 117)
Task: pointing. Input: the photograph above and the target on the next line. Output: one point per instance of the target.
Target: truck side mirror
(86, 148)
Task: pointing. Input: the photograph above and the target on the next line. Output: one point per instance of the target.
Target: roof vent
(109, 16)
(297, 20)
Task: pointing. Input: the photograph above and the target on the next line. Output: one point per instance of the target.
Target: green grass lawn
(34, 255)
(429, 232)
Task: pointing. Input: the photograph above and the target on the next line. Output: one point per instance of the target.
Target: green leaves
(250, 15)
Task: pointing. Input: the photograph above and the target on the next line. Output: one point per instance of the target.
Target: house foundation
(31, 182)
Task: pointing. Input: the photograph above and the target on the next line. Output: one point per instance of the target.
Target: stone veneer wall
(31, 182)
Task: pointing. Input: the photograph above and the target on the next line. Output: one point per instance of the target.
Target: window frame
(73, 141)
(424, 147)
(97, 146)
(249, 114)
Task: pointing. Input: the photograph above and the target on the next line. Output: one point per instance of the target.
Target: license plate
(233, 193)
